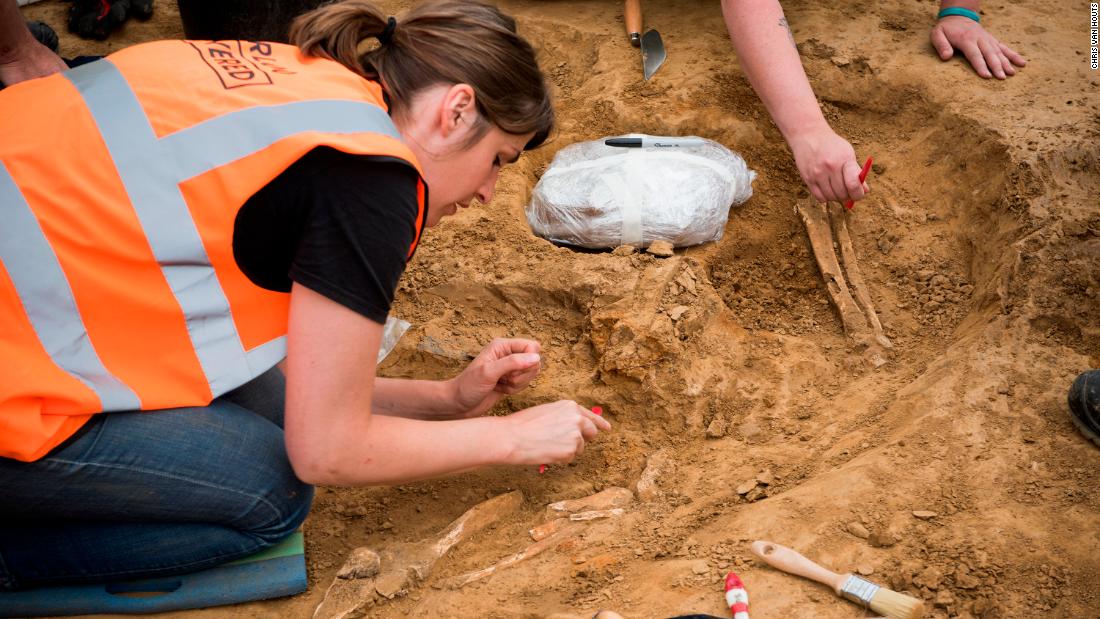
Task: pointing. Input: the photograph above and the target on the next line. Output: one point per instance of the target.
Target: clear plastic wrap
(391, 332)
(599, 196)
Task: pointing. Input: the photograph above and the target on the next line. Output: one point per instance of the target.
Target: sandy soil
(981, 246)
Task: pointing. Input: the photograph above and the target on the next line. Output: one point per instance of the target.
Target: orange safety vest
(119, 184)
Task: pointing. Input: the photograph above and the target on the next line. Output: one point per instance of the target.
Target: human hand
(28, 61)
(827, 164)
(986, 54)
(552, 433)
(503, 367)
(95, 19)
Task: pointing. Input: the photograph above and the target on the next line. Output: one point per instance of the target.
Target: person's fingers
(578, 450)
(1011, 54)
(588, 429)
(511, 383)
(521, 377)
(992, 57)
(866, 189)
(852, 184)
(598, 420)
(815, 191)
(974, 55)
(513, 363)
(837, 191)
(506, 346)
(942, 45)
(1007, 65)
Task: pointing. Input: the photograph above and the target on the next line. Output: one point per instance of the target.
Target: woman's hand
(552, 433)
(988, 56)
(503, 367)
(29, 61)
(827, 164)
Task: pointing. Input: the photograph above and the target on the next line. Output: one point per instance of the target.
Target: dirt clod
(362, 563)
(858, 530)
(661, 249)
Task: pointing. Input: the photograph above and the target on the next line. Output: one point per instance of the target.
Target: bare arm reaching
(333, 438)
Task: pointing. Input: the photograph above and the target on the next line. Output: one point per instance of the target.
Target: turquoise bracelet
(961, 12)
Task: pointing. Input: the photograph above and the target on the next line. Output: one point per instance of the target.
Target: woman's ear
(458, 109)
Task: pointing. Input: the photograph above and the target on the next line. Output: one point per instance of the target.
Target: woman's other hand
(503, 367)
(828, 166)
(552, 433)
(988, 56)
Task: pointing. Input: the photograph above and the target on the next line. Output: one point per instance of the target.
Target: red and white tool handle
(737, 597)
(783, 558)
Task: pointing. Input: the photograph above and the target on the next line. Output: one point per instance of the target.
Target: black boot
(43, 34)
(95, 19)
(141, 9)
(1084, 404)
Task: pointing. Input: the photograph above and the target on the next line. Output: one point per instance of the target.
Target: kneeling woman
(181, 216)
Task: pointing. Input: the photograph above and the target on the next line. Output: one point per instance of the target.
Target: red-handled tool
(595, 409)
(862, 177)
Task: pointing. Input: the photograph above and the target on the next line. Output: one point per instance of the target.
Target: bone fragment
(388, 585)
(608, 499)
(596, 514)
(655, 467)
(403, 564)
(815, 218)
(531, 551)
(346, 599)
(477, 518)
(858, 287)
(547, 529)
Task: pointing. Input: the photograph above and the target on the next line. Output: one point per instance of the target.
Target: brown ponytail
(438, 42)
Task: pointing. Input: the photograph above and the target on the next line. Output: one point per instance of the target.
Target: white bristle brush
(890, 604)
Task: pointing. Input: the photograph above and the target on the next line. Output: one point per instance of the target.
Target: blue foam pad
(275, 572)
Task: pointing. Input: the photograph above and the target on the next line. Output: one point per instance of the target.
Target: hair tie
(387, 32)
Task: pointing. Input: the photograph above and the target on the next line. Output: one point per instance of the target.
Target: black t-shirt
(338, 224)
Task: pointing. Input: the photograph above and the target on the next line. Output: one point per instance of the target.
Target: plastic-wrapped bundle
(598, 196)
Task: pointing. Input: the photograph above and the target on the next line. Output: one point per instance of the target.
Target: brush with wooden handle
(889, 603)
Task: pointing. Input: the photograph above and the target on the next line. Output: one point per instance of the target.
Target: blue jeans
(148, 494)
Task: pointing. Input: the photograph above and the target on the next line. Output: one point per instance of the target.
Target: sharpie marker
(655, 142)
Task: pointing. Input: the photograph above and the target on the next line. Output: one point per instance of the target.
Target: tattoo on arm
(790, 35)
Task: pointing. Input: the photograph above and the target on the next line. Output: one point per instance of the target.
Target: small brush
(890, 604)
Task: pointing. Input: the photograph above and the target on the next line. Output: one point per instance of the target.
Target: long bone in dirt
(827, 228)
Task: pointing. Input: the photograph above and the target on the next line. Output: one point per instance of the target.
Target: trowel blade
(653, 52)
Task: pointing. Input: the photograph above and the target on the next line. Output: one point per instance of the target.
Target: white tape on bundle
(629, 202)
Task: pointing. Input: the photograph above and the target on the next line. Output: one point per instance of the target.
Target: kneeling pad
(275, 572)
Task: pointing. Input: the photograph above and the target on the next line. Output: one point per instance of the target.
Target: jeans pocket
(77, 447)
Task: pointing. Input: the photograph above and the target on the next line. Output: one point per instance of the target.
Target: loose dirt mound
(980, 244)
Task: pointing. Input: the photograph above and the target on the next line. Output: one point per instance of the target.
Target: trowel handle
(783, 558)
(632, 15)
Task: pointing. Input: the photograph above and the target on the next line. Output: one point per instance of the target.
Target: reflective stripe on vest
(48, 299)
(151, 170)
